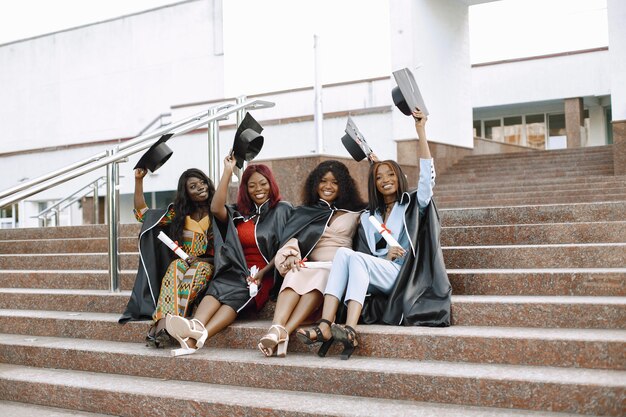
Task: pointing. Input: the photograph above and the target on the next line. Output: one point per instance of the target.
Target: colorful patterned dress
(182, 283)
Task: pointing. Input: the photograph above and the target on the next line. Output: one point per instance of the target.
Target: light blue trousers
(355, 273)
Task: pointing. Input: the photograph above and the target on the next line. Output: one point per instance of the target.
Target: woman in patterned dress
(189, 223)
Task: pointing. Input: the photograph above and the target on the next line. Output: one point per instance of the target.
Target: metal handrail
(125, 150)
(69, 168)
(160, 117)
(44, 213)
(112, 157)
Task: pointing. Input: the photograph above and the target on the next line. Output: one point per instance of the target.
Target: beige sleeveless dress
(337, 235)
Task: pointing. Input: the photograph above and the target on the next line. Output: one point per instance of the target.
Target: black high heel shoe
(326, 343)
(347, 336)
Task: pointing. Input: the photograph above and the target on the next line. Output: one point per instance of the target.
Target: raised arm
(218, 204)
(427, 168)
(423, 151)
(139, 200)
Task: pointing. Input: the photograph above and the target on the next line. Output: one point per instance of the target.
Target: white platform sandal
(182, 330)
(272, 343)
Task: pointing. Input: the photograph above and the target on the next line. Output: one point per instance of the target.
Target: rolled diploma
(253, 288)
(385, 234)
(172, 245)
(317, 264)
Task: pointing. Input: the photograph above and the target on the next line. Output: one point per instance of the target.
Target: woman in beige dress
(326, 222)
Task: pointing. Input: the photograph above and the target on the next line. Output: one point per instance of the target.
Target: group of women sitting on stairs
(327, 253)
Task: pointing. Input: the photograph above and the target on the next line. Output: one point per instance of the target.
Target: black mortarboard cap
(406, 96)
(354, 142)
(157, 155)
(248, 140)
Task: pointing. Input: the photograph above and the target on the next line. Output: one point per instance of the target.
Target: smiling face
(328, 188)
(386, 181)
(197, 189)
(258, 188)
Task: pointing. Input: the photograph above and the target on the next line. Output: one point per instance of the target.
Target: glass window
(477, 129)
(536, 131)
(556, 124)
(493, 130)
(557, 138)
(513, 130)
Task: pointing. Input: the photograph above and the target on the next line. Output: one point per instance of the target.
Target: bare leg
(354, 312)
(220, 320)
(329, 311)
(307, 304)
(206, 312)
(285, 305)
(207, 308)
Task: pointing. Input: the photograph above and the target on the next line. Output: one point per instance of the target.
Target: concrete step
(142, 396)
(523, 187)
(570, 281)
(498, 176)
(569, 153)
(580, 348)
(518, 201)
(505, 195)
(467, 310)
(577, 282)
(14, 409)
(583, 232)
(547, 168)
(590, 255)
(532, 181)
(74, 261)
(584, 255)
(62, 232)
(534, 214)
(66, 245)
(535, 234)
(539, 311)
(97, 301)
(64, 279)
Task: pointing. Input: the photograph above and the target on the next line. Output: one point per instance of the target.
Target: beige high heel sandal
(182, 329)
(272, 343)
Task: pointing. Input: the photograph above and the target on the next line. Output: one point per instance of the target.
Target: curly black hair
(348, 196)
(183, 205)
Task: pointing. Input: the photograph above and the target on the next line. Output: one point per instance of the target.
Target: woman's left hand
(395, 252)
(420, 118)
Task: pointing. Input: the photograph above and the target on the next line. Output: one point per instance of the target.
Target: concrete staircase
(539, 317)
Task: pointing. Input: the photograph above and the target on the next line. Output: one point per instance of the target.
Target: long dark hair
(245, 205)
(348, 198)
(183, 205)
(377, 202)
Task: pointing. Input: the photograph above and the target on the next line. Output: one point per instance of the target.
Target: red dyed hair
(244, 202)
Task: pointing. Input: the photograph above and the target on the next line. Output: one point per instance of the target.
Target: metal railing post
(113, 220)
(241, 113)
(96, 206)
(213, 129)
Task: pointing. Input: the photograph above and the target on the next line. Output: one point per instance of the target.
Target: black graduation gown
(229, 285)
(422, 293)
(154, 258)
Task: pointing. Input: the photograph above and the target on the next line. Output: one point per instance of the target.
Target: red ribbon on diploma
(385, 229)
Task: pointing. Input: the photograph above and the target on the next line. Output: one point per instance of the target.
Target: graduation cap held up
(354, 142)
(157, 155)
(248, 140)
(406, 96)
